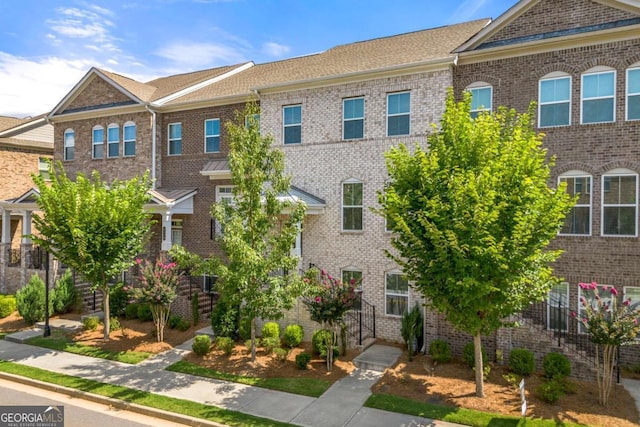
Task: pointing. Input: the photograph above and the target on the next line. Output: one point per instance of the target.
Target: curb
(118, 404)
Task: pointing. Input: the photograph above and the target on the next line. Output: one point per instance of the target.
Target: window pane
(130, 148)
(175, 131)
(597, 110)
(293, 115)
(396, 305)
(113, 134)
(129, 132)
(633, 107)
(353, 129)
(114, 149)
(98, 135)
(554, 114)
(619, 220)
(213, 144)
(398, 125)
(577, 221)
(481, 98)
(212, 127)
(633, 82)
(353, 108)
(175, 147)
(356, 276)
(596, 85)
(555, 90)
(352, 218)
(397, 284)
(620, 189)
(98, 151)
(292, 134)
(352, 194)
(398, 103)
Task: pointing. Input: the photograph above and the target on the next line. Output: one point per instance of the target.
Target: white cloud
(467, 10)
(191, 55)
(275, 49)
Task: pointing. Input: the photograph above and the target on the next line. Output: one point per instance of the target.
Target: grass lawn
(468, 417)
(179, 406)
(305, 386)
(59, 341)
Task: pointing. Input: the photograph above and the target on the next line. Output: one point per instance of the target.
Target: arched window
(633, 92)
(98, 142)
(620, 203)
(598, 95)
(129, 133)
(481, 98)
(113, 140)
(578, 220)
(554, 100)
(69, 144)
(352, 205)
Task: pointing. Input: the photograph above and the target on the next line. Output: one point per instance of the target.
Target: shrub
(114, 324)
(144, 313)
(90, 323)
(195, 308)
(522, 361)
(30, 300)
(469, 356)
(66, 294)
(131, 312)
(179, 323)
(225, 344)
(118, 300)
(550, 391)
(439, 351)
(7, 305)
(270, 343)
(201, 345)
(281, 354)
(224, 319)
(556, 365)
(244, 328)
(270, 330)
(319, 343)
(293, 335)
(302, 360)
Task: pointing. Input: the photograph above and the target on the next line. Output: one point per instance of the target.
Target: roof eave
(98, 112)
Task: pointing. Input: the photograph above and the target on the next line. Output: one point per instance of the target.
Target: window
(224, 194)
(481, 98)
(113, 140)
(578, 220)
(396, 294)
(633, 94)
(69, 144)
(398, 113)
(212, 136)
(555, 101)
(43, 168)
(353, 118)
(619, 203)
(356, 275)
(352, 206)
(129, 131)
(249, 120)
(558, 307)
(589, 294)
(175, 139)
(598, 91)
(292, 116)
(98, 142)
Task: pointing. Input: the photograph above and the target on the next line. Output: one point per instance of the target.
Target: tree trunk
(477, 348)
(107, 315)
(253, 339)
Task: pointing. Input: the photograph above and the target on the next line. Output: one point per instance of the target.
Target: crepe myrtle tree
(472, 216)
(95, 228)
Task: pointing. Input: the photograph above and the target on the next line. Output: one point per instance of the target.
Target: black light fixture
(47, 328)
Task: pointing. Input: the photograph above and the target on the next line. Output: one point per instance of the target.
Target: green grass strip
(179, 406)
(58, 341)
(304, 386)
(464, 416)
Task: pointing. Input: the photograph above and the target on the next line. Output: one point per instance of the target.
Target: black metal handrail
(361, 320)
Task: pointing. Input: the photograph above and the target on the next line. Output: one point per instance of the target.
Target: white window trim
(212, 135)
(564, 306)
(285, 126)
(618, 172)
(627, 94)
(580, 174)
(581, 328)
(597, 70)
(353, 270)
(554, 76)
(95, 143)
(125, 141)
(66, 145)
(353, 119)
(409, 113)
(343, 206)
(169, 139)
(386, 293)
(481, 85)
(109, 142)
(220, 196)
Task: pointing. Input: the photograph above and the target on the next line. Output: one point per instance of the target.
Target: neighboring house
(25, 147)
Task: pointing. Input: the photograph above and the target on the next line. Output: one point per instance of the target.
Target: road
(77, 412)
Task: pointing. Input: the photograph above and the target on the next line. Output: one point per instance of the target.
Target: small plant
(556, 365)
(179, 323)
(225, 344)
(114, 324)
(201, 345)
(522, 361)
(90, 323)
(469, 355)
(224, 319)
(281, 354)
(302, 360)
(270, 343)
(7, 305)
(411, 329)
(131, 312)
(439, 351)
(66, 295)
(270, 330)
(195, 308)
(30, 300)
(118, 299)
(247, 343)
(144, 313)
(293, 335)
(550, 391)
(512, 379)
(319, 342)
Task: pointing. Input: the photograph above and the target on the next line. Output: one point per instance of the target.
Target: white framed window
(69, 144)
(97, 138)
(349, 274)
(43, 168)
(113, 140)
(352, 205)
(558, 307)
(212, 136)
(589, 295)
(176, 232)
(398, 113)
(578, 220)
(598, 96)
(620, 203)
(481, 98)
(353, 118)
(224, 194)
(254, 118)
(175, 139)
(633, 93)
(396, 294)
(631, 293)
(292, 122)
(554, 100)
(129, 131)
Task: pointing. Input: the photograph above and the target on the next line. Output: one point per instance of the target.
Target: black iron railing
(361, 321)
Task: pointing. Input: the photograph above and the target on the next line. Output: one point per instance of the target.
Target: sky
(47, 46)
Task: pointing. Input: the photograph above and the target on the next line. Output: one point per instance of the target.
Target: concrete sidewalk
(341, 405)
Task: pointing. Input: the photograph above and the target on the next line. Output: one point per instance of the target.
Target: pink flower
(318, 299)
(138, 261)
(583, 285)
(626, 302)
(573, 314)
(594, 285)
(605, 287)
(352, 281)
(614, 291)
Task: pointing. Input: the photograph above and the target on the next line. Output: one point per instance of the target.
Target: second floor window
(352, 206)
(212, 136)
(619, 203)
(633, 94)
(578, 220)
(129, 131)
(398, 114)
(598, 97)
(98, 142)
(113, 141)
(481, 100)
(353, 118)
(175, 139)
(292, 119)
(69, 144)
(555, 102)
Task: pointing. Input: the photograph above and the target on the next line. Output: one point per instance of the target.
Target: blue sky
(46, 46)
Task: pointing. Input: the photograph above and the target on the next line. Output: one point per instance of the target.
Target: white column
(6, 226)
(26, 226)
(166, 231)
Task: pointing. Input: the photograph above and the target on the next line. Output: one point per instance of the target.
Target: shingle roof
(9, 122)
(141, 90)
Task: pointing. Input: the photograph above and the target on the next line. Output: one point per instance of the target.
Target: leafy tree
(472, 218)
(260, 227)
(93, 227)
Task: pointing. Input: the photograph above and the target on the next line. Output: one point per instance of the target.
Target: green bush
(131, 312)
(224, 319)
(270, 343)
(7, 305)
(144, 313)
(281, 354)
(201, 345)
(195, 308)
(225, 344)
(302, 360)
(118, 300)
(30, 300)
(319, 343)
(244, 328)
(440, 351)
(90, 323)
(66, 294)
(469, 356)
(556, 365)
(550, 391)
(522, 361)
(270, 330)
(178, 322)
(293, 335)
(114, 324)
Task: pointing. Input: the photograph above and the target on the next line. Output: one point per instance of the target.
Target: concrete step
(377, 358)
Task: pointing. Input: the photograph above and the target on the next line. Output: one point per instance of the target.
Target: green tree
(260, 227)
(94, 228)
(472, 218)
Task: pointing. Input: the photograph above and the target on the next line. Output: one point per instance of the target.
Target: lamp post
(47, 329)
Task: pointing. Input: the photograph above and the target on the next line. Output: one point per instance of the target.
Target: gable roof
(10, 122)
(28, 133)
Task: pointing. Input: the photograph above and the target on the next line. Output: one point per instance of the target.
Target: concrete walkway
(340, 405)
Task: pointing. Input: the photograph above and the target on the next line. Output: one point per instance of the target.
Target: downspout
(153, 146)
